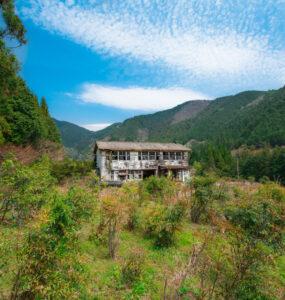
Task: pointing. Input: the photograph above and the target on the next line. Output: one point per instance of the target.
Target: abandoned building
(124, 161)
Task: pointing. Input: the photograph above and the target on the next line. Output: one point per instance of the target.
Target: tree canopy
(22, 119)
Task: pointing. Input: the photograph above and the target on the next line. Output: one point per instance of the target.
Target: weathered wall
(134, 163)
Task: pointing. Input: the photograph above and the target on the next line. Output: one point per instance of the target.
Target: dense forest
(248, 118)
(256, 165)
(22, 118)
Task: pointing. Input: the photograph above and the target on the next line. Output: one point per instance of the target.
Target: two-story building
(123, 161)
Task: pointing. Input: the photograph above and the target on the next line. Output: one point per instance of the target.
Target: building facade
(124, 161)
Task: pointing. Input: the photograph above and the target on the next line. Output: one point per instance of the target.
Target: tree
(44, 106)
(14, 27)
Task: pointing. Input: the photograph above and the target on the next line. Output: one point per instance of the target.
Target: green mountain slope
(150, 127)
(251, 117)
(78, 141)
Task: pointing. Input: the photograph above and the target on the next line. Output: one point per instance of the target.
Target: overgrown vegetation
(204, 239)
(257, 165)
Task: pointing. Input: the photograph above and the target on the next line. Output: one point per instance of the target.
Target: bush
(48, 266)
(132, 270)
(161, 222)
(158, 187)
(262, 221)
(206, 192)
(70, 168)
(24, 189)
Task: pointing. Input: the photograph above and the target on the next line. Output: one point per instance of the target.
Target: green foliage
(261, 221)
(250, 118)
(14, 26)
(261, 166)
(78, 141)
(69, 168)
(22, 119)
(61, 250)
(46, 269)
(158, 187)
(24, 188)
(216, 158)
(206, 192)
(132, 270)
(161, 222)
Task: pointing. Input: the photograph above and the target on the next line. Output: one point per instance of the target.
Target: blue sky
(101, 61)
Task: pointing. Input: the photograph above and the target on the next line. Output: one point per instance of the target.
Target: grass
(105, 273)
(104, 279)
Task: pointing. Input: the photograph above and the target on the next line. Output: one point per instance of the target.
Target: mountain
(250, 117)
(77, 141)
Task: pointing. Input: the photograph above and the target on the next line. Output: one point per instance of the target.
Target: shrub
(262, 221)
(161, 222)
(24, 188)
(112, 212)
(132, 270)
(158, 187)
(206, 192)
(48, 267)
(70, 168)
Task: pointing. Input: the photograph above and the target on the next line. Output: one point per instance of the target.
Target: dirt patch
(28, 153)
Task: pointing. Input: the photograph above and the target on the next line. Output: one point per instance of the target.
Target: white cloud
(96, 127)
(137, 98)
(205, 39)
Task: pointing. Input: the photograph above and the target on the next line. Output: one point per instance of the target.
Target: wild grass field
(209, 238)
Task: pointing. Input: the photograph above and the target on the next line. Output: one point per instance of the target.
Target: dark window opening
(123, 155)
(115, 155)
(152, 156)
(144, 155)
(165, 155)
(178, 155)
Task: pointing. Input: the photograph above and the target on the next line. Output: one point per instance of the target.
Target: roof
(136, 146)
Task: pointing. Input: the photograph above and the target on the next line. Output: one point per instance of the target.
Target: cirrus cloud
(230, 40)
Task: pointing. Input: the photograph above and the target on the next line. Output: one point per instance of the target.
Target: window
(152, 156)
(144, 155)
(178, 155)
(122, 155)
(165, 155)
(140, 155)
(172, 155)
(115, 155)
(138, 174)
(131, 174)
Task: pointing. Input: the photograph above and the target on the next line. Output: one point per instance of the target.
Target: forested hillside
(251, 118)
(23, 120)
(78, 141)
(248, 118)
(151, 127)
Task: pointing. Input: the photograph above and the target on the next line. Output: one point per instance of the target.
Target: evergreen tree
(22, 119)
